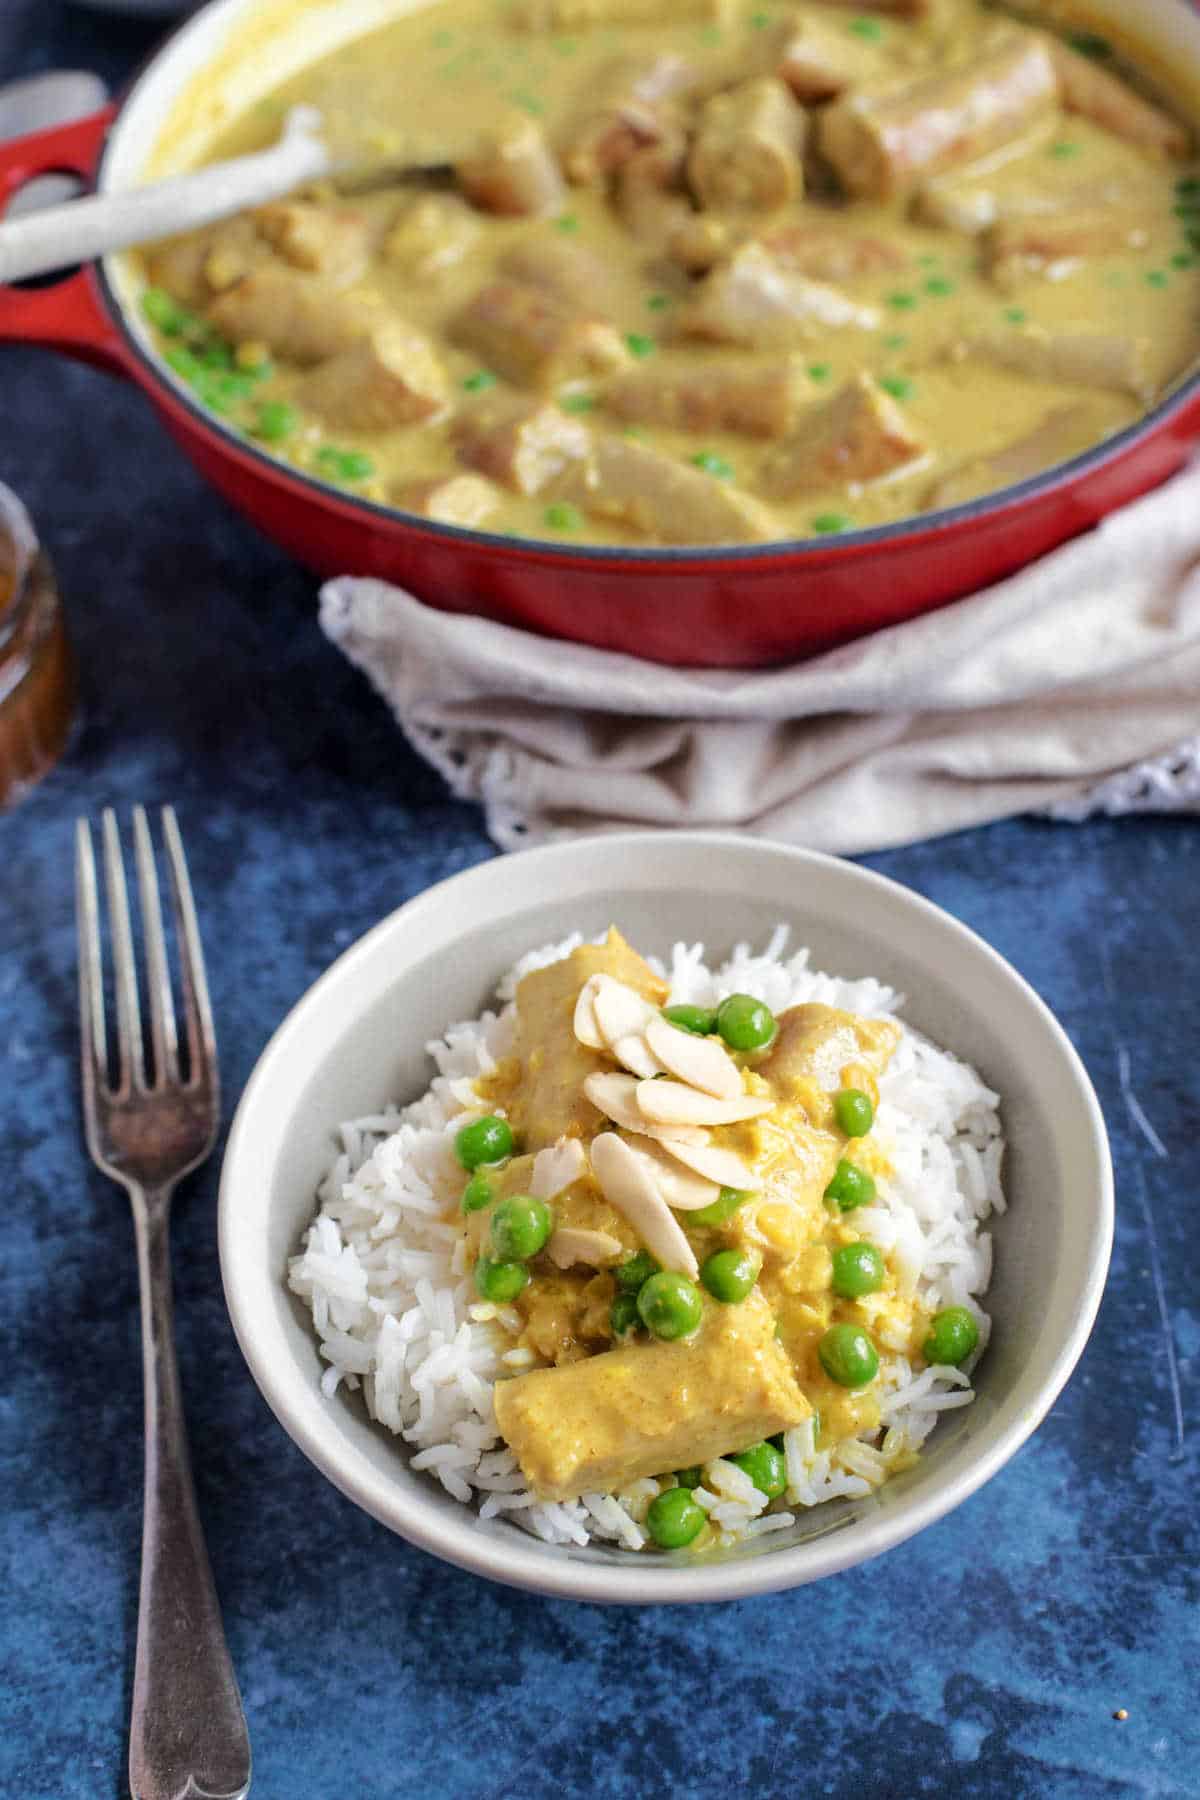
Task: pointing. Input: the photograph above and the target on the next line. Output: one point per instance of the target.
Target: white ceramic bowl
(356, 1041)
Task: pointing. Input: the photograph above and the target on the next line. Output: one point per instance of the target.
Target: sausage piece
(746, 154)
(858, 436)
(883, 144)
(521, 444)
(533, 339)
(450, 499)
(513, 172)
(652, 206)
(301, 317)
(622, 110)
(391, 378)
(1108, 101)
(812, 245)
(666, 500)
(1061, 434)
(570, 273)
(749, 396)
(333, 241)
(1114, 362)
(431, 235)
(751, 300)
(1052, 245)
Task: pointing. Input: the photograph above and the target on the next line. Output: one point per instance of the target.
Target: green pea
(640, 344)
(1064, 150)
(819, 371)
(500, 1281)
(902, 301)
(729, 1275)
(673, 1519)
(562, 517)
(870, 29)
(637, 1270)
(850, 1187)
(183, 362)
(670, 1305)
(720, 1209)
(826, 524)
(898, 386)
(745, 1023)
(577, 403)
(479, 381)
(477, 1194)
(699, 1020)
(163, 311)
(623, 1316)
(276, 420)
(215, 355)
(848, 1356)
(486, 1140)
(520, 1227)
(953, 1334)
(853, 1111)
(712, 464)
(567, 222)
(658, 302)
(356, 465)
(941, 285)
(765, 1467)
(857, 1269)
(690, 1478)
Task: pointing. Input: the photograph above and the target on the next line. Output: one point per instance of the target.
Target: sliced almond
(627, 1184)
(635, 1053)
(620, 1011)
(700, 1061)
(722, 1166)
(556, 1167)
(587, 1031)
(615, 1096)
(682, 1190)
(670, 1103)
(571, 1244)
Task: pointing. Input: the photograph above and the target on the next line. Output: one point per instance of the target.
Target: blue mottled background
(986, 1658)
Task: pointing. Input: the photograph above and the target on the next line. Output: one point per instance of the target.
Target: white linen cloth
(1073, 685)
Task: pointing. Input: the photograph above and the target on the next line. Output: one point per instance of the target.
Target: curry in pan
(688, 272)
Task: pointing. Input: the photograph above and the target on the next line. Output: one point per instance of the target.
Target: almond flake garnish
(701, 1062)
(722, 1166)
(556, 1167)
(627, 1185)
(615, 1095)
(587, 1031)
(619, 1010)
(637, 1055)
(679, 1187)
(670, 1103)
(572, 1244)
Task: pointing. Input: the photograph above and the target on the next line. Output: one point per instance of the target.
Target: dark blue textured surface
(984, 1659)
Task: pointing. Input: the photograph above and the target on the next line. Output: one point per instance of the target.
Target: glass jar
(37, 676)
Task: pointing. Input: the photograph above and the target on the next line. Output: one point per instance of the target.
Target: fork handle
(187, 1735)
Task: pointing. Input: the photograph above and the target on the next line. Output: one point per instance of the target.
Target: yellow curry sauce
(596, 1415)
(699, 272)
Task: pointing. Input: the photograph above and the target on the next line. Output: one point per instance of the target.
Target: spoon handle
(61, 236)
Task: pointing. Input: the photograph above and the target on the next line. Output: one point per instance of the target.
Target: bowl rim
(251, 1293)
(912, 531)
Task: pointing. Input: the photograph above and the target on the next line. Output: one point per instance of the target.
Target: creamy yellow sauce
(602, 1410)
(428, 81)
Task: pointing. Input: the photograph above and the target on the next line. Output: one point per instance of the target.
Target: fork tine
(130, 1068)
(202, 1041)
(163, 1036)
(94, 1059)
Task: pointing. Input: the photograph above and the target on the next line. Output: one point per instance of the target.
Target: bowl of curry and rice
(665, 1218)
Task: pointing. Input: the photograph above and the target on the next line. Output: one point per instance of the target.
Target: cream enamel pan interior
(356, 1041)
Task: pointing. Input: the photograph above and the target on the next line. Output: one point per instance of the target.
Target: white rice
(397, 1315)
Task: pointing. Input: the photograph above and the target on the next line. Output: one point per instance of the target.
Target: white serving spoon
(59, 236)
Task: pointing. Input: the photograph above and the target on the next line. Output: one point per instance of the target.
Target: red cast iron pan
(727, 608)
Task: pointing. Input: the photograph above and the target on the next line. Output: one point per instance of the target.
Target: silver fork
(146, 1130)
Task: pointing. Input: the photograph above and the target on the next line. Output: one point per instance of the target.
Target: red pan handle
(70, 315)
